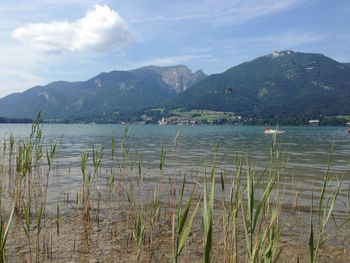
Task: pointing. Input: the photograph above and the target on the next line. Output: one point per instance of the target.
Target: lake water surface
(309, 149)
(100, 215)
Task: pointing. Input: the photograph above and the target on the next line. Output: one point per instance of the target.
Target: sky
(49, 40)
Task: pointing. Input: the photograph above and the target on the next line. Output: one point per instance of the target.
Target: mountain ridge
(281, 83)
(103, 94)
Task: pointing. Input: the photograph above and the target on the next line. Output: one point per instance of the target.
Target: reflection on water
(308, 148)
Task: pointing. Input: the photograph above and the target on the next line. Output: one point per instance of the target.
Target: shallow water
(308, 150)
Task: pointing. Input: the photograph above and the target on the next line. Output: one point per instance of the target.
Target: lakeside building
(314, 122)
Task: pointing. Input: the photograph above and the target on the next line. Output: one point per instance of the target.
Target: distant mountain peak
(179, 77)
(283, 83)
(161, 68)
(104, 95)
(276, 54)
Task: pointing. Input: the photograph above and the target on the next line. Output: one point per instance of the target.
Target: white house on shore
(314, 122)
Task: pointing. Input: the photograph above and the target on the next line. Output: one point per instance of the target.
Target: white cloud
(101, 29)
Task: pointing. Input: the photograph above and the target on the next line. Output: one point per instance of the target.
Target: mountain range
(104, 94)
(281, 83)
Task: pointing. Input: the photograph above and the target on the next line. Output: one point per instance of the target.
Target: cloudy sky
(48, 40)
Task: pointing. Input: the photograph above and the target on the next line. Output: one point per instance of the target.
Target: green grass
(201, 115)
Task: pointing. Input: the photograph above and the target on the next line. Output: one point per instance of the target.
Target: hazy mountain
(102, 95)
(281, 83)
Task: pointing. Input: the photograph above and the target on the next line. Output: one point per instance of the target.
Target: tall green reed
(4, 232)
(184, 221)
(327, 202)
(207, 215)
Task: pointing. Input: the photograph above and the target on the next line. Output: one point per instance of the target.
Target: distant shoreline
(154, 124)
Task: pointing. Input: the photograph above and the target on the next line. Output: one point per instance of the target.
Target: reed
(58, 227)
(207, 217)
(86, 175)
(231, 210)
(97, 154)
(154, 213)
(183, 220)
(328, 198)
(12, 144)
(4, 232)
(27, 228)
(138, 233)
(162, 160)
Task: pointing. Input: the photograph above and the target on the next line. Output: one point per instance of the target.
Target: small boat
(348, 130)
(162, 122)
(272, 131)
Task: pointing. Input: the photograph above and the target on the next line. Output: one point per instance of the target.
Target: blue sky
(48, 40)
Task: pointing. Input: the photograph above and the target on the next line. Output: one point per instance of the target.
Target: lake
(100, 216)
(308, 148)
